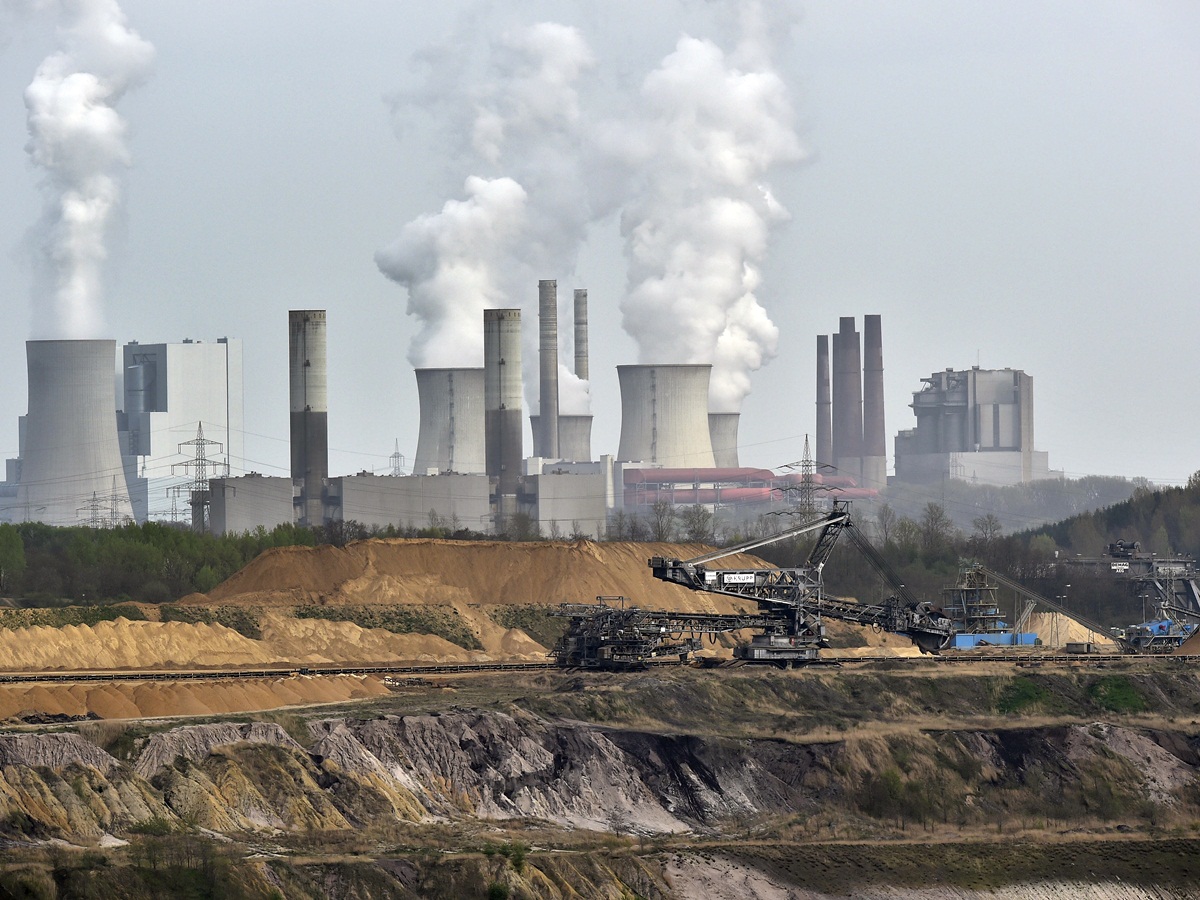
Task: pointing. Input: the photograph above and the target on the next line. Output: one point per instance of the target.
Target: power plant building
(975, 425)
(170, 391)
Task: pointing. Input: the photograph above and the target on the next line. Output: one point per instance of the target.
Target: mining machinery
(791, 606)
(795, 597)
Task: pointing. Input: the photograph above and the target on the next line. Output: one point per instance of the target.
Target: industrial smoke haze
(77, 140)
(697, 226)
(684, 160)
(515, 129)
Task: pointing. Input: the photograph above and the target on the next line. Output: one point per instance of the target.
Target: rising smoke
(526, 208)
(77, 139)
(685, 162)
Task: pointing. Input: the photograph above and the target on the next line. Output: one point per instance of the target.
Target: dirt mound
(469, 572)
(1056, 630)
(135, 699)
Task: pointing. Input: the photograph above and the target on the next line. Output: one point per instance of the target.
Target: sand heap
(470, 572)
(134, 699)
(1056, 631)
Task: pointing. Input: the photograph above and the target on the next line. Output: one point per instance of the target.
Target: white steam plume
(523, 139)
(451, 262)
(697, 227)
(78, 140)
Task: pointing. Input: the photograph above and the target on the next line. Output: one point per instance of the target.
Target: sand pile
(132, 699)
(122, 644)
(469, 572)
(1056, 631)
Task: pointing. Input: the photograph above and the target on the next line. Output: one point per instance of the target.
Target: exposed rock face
(53, 751)
(195, 742)
(465, 763)
(491, 765)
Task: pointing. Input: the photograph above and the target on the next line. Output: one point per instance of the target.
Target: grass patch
(243, 620)
(442, 621)
(1116, 693)
(1019, 695)
(69, 615)
(535, 621)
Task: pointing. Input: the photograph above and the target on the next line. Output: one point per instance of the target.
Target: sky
(1007, 185)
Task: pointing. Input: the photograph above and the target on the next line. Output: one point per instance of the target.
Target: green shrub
(1019, 694)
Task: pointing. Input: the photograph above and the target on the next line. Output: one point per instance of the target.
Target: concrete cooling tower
(723, 432)
(664, 415)
(451, 436)
(71, 472)
(309, 405)
(574, 437)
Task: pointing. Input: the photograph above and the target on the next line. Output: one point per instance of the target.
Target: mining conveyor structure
(795, 597)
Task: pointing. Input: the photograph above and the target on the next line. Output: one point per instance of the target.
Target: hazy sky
(1013, 185)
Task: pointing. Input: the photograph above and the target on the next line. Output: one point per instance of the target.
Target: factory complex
(171, 448)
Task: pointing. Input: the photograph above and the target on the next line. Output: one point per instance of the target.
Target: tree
(885, 518)
(987, 528)
(697, 522)
(12, 556)
(936, 529)
(662, 520)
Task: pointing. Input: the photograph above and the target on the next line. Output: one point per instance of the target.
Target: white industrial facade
(169, 391)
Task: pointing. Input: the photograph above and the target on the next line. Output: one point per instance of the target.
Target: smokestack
(502, 397)
(547, 445)
(451, 436)
(874, 433)
(824, 421)
(72, 455)
(581, 337)
(847, 400)
(574, 436)
(309, 412)
(664, 415)
(722, 431)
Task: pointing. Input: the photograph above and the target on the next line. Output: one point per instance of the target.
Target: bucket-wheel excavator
(791, 606)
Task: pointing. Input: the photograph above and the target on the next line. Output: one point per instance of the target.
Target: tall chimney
(847, 400)
(824, 421)
(309, 412)
(581, 335)
(71, 471)
(502, 397)
(874, 432)
(547, 445)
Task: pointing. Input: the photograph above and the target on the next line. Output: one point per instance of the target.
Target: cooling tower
(574, 437)
(71, 472)
(874, 465)
(451, 436)
(847, 400)
(722, 431)
(581, 337)
(502, 397)
(309, 412)
(664, 415)
(824, 420)
(545, 444)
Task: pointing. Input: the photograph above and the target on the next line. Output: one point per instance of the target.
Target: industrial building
(975, 425)
(172, 391)
(180, 436)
